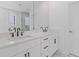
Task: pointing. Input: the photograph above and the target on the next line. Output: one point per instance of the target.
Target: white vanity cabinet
(30, 52)
(35, 51)
(53, 45)
(48, 45)
(18, 49)
(43, 46)
(32, 49)
(22, 54)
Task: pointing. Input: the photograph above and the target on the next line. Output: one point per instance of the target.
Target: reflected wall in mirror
(27, 15)
(12, 15)
(12, 20)
(26, 21)
(3, 20)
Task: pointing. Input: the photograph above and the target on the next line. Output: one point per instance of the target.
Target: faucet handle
(12, 34)
(9, 29)
(15, 29)
(22, 32)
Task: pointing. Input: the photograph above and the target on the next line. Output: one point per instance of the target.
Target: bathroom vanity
(32, 44)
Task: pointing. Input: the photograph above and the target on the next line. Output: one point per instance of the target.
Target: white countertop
(4, 42)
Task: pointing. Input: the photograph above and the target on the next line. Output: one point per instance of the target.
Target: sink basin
(20, 37)
(28, 36)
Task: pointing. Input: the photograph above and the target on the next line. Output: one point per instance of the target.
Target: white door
(74, 18)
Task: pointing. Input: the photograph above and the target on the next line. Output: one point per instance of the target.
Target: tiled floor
(60, 54)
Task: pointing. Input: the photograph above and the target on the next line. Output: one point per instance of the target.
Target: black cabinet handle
(28, 54)
(45, 47)
(25, 55)
(54, 41)
(47, 56)
(70, 31)
(45, 38)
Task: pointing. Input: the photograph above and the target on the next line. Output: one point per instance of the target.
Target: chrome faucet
(11, 29)
(18, 29)
(22, 32)
(44, 29)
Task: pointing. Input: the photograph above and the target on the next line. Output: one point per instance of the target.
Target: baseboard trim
(54, 53)
(73, 55)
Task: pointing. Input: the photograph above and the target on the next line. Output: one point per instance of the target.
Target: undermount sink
(28, 36)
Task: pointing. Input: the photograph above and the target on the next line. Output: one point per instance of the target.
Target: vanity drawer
(44, 39)
(44, 47)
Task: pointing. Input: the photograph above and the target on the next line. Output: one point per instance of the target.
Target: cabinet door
(35, 51)
(21, 54)
(53, 45)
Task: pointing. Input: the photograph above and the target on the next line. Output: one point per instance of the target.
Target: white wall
(41, 15)
(3, 20)
(59, 23)
(14, 5)
(74, 21)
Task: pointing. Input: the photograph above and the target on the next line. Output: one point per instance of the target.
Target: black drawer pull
(25, 55)
(54, 41)
(45, 47)
(28, 54)
(45, 39)
(47, 56)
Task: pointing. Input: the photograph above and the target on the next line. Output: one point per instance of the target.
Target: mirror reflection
(25, 15)
(16, 14)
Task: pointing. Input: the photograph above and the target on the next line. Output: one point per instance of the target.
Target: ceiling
(24, 6)
(17, 5)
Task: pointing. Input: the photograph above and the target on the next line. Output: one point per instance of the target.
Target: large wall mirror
(26, 15)
(16, 14)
